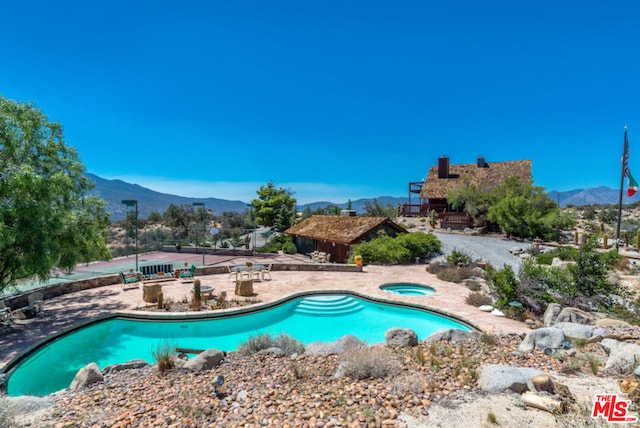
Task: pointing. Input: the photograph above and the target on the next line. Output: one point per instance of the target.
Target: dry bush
(254, 344)
(455, 274)
(259, 342)
(164, 355)
(375, 362)
(478, 299)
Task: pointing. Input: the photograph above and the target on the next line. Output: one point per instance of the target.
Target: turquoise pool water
(318, 317)
(408, 289)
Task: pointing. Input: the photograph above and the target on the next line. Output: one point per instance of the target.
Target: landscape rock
(551, 314)
(579, 331)
(403, 337)
(338, 346)
(623, 357)
(271, 351)
(205, 360)
(516, 250)
(541, 338)
(451, 334)
(575, 315)
(27, 408)
(610, 322)
(86, 376)
(133, 364)
(498, 378)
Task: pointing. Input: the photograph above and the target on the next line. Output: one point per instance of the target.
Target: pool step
(328, 305)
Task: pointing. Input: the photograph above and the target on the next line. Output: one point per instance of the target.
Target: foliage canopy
(48, 219)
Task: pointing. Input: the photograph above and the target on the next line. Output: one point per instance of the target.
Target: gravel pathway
(494, 250)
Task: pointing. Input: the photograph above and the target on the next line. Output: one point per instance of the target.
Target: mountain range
(115, 191)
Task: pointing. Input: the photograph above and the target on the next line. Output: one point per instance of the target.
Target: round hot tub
(408, 289)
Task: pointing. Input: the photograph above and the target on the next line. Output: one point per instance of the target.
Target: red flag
(633, 185)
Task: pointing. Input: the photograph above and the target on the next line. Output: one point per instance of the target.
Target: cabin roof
(339, 229)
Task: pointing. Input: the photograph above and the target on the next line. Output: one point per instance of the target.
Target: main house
(335, 235)
(444, 177)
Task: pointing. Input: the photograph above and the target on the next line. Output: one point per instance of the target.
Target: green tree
(47, 218)
(154, 217)
(525, 211)
(274, 207)
(376, 209)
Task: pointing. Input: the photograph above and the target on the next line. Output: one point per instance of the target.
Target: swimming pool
(408, 289)
(308, 318)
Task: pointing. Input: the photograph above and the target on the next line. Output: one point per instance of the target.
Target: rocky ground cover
(436, 383)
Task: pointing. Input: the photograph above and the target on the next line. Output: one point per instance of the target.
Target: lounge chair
(188, 273)
(36, 301)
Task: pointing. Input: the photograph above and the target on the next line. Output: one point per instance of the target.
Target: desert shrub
(374, 362)
(455, 274)
(457, 258)
(260, 342)
(504, 284)
(164, 355)
(563, 253)
(288, 344)
(488, 338)
(403, 249)
(255, 343)
(478, 299)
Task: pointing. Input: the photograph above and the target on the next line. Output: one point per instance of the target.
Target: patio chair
(5, 313)
(128, 278)
(188, 273)
(266, 270)
(36, 302)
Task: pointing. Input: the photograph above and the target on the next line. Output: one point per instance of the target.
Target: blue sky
(333, 99)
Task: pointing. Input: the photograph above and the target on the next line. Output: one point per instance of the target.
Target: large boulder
(550, 315)
(129, 365)
(579, 331)
(205, 360)
(452, 335)
(623, 357)
(403, 337)
(499, 378)
(86, 376)
(575, 315)
(344, 343)
(542, 338)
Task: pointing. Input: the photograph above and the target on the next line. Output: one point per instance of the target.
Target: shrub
(164, 355)
(455, 274)
(458, 258)
(260, 342)
(374, 362)
(504, 284)
(403, 249)
(289, 248)
(478, 299)
(288, 344)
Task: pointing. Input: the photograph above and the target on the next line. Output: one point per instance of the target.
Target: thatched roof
(339, 229)
(484, 178)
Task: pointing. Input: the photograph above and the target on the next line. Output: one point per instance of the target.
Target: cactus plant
(197, 297)
(160, 300)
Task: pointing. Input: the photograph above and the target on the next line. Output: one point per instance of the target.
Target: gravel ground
(494, 250)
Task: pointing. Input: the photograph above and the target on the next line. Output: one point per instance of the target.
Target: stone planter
(150, 292)
(244, 287)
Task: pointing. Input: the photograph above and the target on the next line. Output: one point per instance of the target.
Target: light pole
(131, 203)
(200, 204)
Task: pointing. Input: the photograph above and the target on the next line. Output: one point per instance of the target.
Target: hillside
(114, 191)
